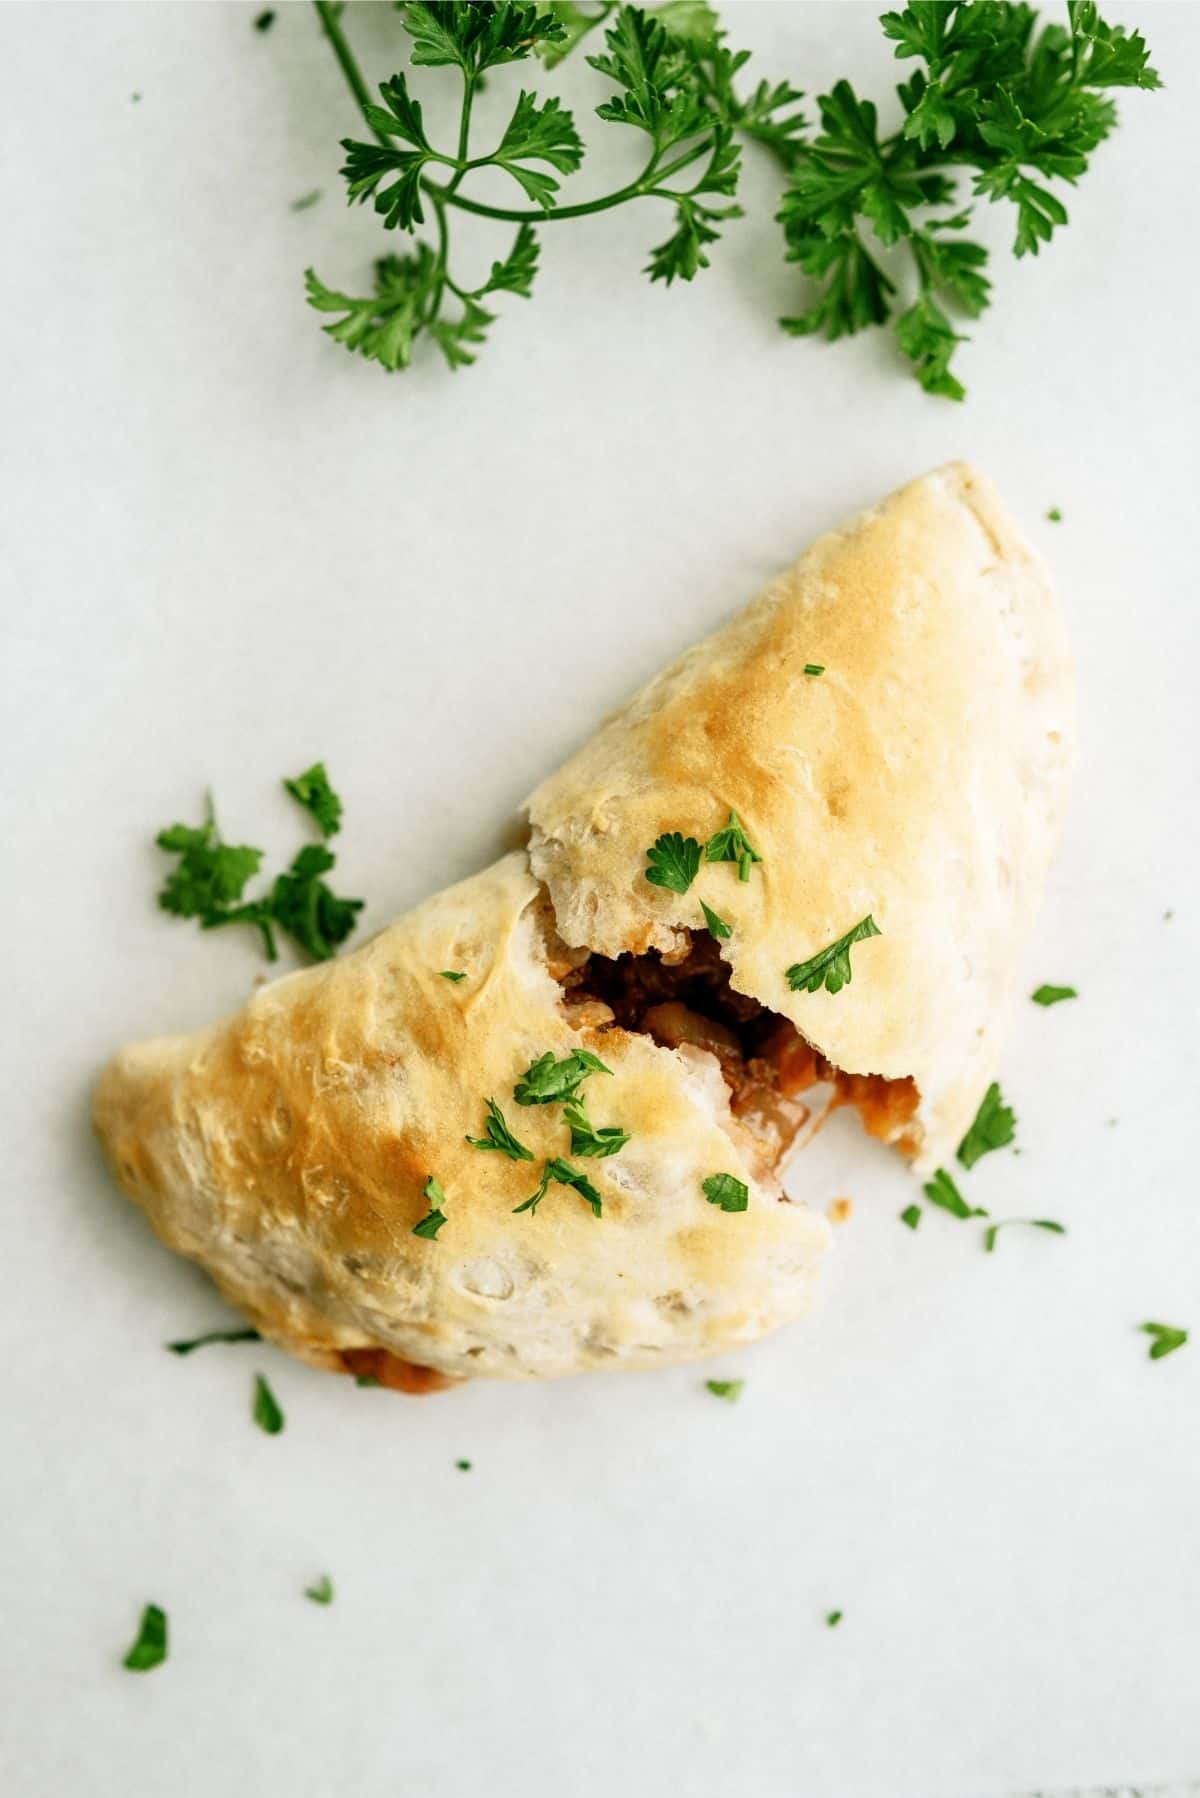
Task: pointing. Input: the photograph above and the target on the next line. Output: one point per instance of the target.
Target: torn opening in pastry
(683, 999)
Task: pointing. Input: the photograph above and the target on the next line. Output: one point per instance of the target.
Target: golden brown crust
(920, 780)
(287, 1149)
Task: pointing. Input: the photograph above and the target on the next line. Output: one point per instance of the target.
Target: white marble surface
(229, 548)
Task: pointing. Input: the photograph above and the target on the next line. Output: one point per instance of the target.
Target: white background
(230, 548)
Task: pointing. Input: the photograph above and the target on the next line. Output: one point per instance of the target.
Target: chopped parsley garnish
(463, 1466)
(305, 201)
(564, 1175)
(911, 1215)
(589, 1140)
(942, 1191)
(833, 1618)
(1166, 1339)
(1054, 515)
(830, 968)
(322, 1591)
(730, 1390)
(1033, 1223)
(185, 1347)
(674, 862)
(717, 927)
(732, 845)
(1053, 995)
(548, 1082)
(500, 1137)
(314, 793)
(267, 1414)
(994, 1128)
(435, 1217)
(150, 1649)
(264, 21)
(814, 668)
(367, 1379)
(726, 1191)
(210, 879)
(451, 974)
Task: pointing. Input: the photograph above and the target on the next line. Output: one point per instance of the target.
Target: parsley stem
(327, 13)
(516, 216)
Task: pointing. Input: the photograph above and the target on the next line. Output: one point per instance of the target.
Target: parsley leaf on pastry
(717, 927)
(548, 1082)
(726, 1191)
(830, 968)
(731, 844)
(590, 1140)
(673, 861)
(500, 1137)
(435, 1217)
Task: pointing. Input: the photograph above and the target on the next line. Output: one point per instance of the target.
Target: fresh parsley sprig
(210, 877)
(998, 98)
(994, 1128)
(549, 1082)
(674, 82)
(1008, 103)
(830, 968)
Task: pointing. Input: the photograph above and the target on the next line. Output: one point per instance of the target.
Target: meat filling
(687, 1000)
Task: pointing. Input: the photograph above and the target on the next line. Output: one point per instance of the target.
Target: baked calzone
(537, 1124)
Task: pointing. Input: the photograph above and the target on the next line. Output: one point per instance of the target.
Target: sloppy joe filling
(686, 1000)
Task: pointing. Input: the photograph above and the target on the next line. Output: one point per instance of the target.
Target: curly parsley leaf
(313, 791)
(717, 927)
(942, 1191)
(548, 1082)
(435, 1217)
(211, 874)
(564, 1175)
(307, 907)
(673, 862)
(150, 1648)
(385, 325)
(1053, 995)
(1032, 1223)
(267, 1413)
(589, 1140)
(731, 844)
(830, 968)
(1167, 1338)
(479, 36)
(539, 133)
(726, 1191)
(994, 1128)
(189, 1344)
(516, 273)
(500, 1137)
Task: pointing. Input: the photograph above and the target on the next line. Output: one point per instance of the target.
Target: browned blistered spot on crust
(840, 1210)
(392, 1372)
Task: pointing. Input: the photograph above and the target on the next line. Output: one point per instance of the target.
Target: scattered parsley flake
(814, 668)
(588, 1140)
(531, 1204)
(463, 1466)
(911, 1215)
(313, 791)
(833, 1618)
(188, 1344)
(994, 1128)
(1033, 1223)
(367, 1379)
(1054, 516)
(322, 1591)
(673, 861)
(730, 1390)
(1167, 1338)
(500, 1137)
(942, 1191)
(717, 927)
(830, 968)
(264, 21)
(267, 1414)
(1053, 995)
(451, 974)
(305, 201)
(724, 1190)
(433, 1220)
(150, 1648)
(731, 844)
(549, 1082)
(563, 1174)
